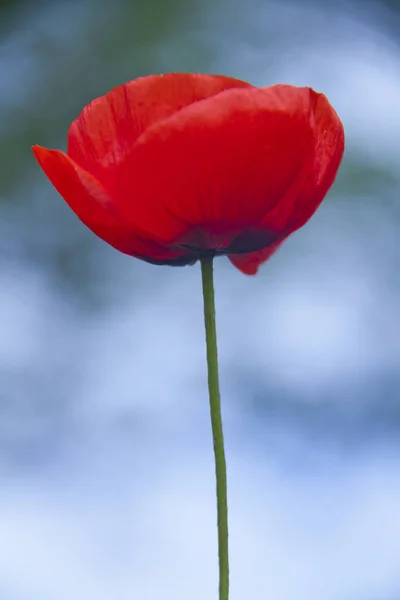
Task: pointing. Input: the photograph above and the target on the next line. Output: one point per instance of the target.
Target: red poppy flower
(171, 168)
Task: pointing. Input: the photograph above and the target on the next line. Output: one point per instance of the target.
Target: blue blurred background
(106, 466)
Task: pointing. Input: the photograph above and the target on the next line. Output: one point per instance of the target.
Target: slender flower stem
(216, 425)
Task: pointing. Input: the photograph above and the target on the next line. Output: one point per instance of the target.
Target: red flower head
(171, 168)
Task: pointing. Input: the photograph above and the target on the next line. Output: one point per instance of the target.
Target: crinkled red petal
(104, 133)
(86, 197)
(249, 263)
(304, 197)
(216, 167)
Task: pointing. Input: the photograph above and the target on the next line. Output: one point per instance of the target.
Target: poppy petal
(107, 128)
(303, 199)
(249, 263)
(86, 197)
(217, 166)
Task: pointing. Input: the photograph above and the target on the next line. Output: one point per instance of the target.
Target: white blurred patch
(322, 537)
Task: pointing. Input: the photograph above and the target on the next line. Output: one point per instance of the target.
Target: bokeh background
(106, 466)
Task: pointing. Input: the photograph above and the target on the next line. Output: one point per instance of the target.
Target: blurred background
(106, 465)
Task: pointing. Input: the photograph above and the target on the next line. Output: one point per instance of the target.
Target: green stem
(216, 425)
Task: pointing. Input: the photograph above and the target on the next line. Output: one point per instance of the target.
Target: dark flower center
(250, 240)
